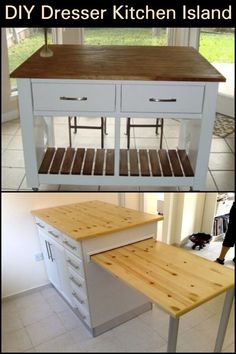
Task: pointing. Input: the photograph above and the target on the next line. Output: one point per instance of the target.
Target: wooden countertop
(175, 279)
(92, 219)
(119, 63)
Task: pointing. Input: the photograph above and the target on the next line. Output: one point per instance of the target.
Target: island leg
(172, 334)
(224, 320)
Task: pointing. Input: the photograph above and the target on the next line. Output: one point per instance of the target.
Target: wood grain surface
(171, 277)
(119, 63)
(91, 219)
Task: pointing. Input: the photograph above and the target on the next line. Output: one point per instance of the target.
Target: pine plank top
(119, 63)
(175, 279)
(92, 219)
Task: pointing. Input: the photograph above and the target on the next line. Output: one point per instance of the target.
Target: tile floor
(221, 163)
(43, 322)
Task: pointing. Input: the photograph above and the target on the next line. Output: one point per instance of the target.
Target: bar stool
(159, 124)
(75, 126)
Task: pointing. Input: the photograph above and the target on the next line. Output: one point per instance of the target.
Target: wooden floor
(101, 162)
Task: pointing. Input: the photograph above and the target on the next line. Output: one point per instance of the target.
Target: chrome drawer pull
(162, 99)
(77, 298)
(52, 233)
(40, 225)
(69, 245)
(72, 264)
(75, 282)
(64, 98)
(83, 316)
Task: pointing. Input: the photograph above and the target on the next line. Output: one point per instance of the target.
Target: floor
(43, 322)
(220, 175)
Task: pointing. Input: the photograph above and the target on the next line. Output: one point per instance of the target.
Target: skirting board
(26, 292)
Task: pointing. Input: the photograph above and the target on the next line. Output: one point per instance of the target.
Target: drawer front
(74, 263)
(73, 97)
(72, 245)
(83, 314)
(80, 297)
(77, 281)
(162, 98)
(50, 230)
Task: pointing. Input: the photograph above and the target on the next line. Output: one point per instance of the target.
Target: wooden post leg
(224, 320)
(173, 334)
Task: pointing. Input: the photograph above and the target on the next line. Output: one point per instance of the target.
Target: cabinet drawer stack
(75, 278)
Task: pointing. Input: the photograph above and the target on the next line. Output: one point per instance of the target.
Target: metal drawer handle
(52, 233)
(69, 245)
(64, 98)
(75, 282)
(152, 99)
(83, 316)
(72, 264)
(40, 225)
(77, 298)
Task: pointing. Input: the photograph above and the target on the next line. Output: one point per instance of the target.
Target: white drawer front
(73, 97)
(74, 263)
(162, 98)
(50, 230)
(72, 245)
(80, 297)
(77, 281)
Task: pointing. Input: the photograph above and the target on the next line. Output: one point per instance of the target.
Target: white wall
(188, 209)
(20, 242)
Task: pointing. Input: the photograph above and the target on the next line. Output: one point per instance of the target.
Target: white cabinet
(55, 262)
(51, 258)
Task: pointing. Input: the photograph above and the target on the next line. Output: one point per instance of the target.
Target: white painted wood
(186, 99)
(49, 258)
(119, 180)
(73, 96)
(207, 124)
(195, 102)
(27, 127)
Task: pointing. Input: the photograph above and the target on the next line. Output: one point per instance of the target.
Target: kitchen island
(117, 82)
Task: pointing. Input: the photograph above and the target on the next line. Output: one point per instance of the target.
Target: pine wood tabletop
(111, 62)
(173, 278)
(92, 219)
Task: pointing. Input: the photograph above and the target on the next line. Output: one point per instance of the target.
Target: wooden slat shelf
(100, 162)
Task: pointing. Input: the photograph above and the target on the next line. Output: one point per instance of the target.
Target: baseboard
(6, 117)
(26, 292)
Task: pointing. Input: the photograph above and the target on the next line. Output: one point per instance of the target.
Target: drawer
(84, 315)
(73, 97)
(74, 263)
(50, 230)
(72, 245)
(77, 281)
(162, 98)
(80, 298)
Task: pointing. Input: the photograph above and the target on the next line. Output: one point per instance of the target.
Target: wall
(20, 242)
(188, 209)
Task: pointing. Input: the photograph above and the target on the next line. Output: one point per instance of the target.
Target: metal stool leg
(75, 124)
(157, 125)
(69, 126)
(128, 132)
(162, 128)
(102, 133)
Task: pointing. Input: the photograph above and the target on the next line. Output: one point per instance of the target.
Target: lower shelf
(100, 162)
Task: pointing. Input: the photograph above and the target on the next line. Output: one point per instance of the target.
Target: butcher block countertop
(92, 219)
(86, 62)
(171, 277)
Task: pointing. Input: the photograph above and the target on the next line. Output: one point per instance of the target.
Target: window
(125, 36)
(21, 43)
